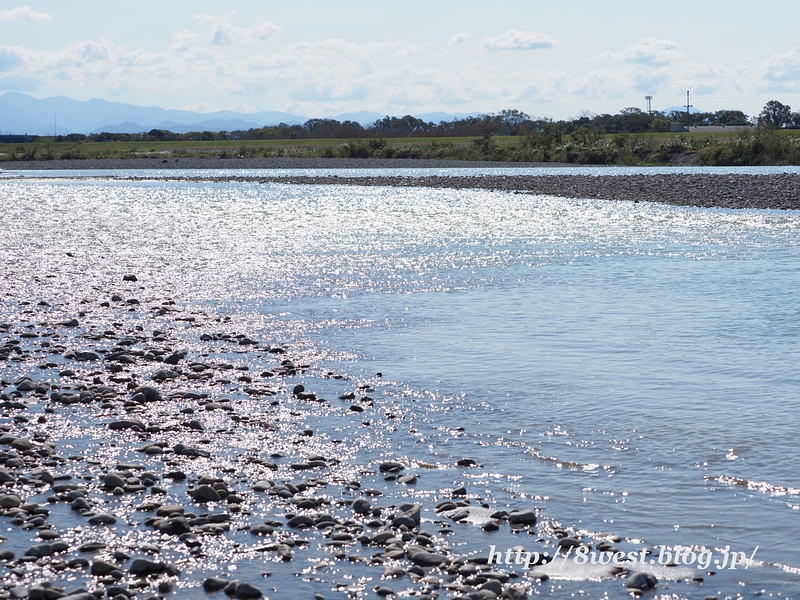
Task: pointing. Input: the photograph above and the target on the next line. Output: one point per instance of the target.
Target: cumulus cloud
(8, 58)
(781, 71)
(23, 12)
(649, 51)
(408, 50)
(325, 92)
(224, 33)
(89, 51)
(457, 39)
(518, 40)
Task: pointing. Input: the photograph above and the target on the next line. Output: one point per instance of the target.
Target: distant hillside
(680, 109)
(21, 114)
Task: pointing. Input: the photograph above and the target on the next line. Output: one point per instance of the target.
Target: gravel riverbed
(710, 191)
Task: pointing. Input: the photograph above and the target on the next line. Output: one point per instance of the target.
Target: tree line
(505, 123)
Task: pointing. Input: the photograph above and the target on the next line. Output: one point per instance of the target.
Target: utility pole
(688, 106)
(649, 109)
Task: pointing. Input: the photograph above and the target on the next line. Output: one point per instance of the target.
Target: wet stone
(213, 584)
(301, 521)
(362, 506)
(391, 467)
(641, 581)
(205, 493)
(9, 500)
(40, 550)
(145, 566)
(127, 424)
(428, 559)
(247, 590)
(112, 481)
(102, 519)
(524, 517)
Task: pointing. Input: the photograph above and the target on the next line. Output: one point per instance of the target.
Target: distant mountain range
(21, 114)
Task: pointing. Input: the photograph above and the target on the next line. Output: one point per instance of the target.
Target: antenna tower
(649, 108)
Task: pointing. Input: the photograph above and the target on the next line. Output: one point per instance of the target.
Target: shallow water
(631, 367)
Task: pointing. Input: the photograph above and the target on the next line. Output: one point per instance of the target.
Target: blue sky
(316, 58)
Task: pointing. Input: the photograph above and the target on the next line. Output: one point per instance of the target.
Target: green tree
(775, 114)
(730, 118)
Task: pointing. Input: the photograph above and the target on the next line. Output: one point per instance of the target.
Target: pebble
(205, 493)
(101, 484)
(428, 559)
(641, 581)
(213, 584)
(102, 519)
(145, 566)
(522, 517)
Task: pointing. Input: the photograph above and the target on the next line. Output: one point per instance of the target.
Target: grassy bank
(762, 146)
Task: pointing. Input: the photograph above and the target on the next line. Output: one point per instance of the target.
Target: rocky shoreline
(152, 451)
(708, 191)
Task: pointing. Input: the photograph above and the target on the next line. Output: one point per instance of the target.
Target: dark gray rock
(103, 519)
(151, 394)
(301, 521)
(428, 559)
(522, 517)
(515, 592)
(391, 467)
(112, 480)
(246, 590)
(10, 501)
(127, 424)
(213, 584)
(641, 581)
(145, 566)
(40, 550)
(205, 493)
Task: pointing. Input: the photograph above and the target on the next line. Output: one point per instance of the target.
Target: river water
(632, 367)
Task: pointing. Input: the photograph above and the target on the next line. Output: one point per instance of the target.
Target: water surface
(631, 366)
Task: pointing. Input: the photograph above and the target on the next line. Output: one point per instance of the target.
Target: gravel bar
(711, 191)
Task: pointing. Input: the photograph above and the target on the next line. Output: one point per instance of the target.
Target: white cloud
(88, 51)
(518, 40)
(457, 39)
(9, 58)
(408, 50)
(781, 71)
(223, 33)
(23, 12)
(648, 51)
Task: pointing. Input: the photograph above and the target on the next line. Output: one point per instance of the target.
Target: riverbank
(709, 191)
